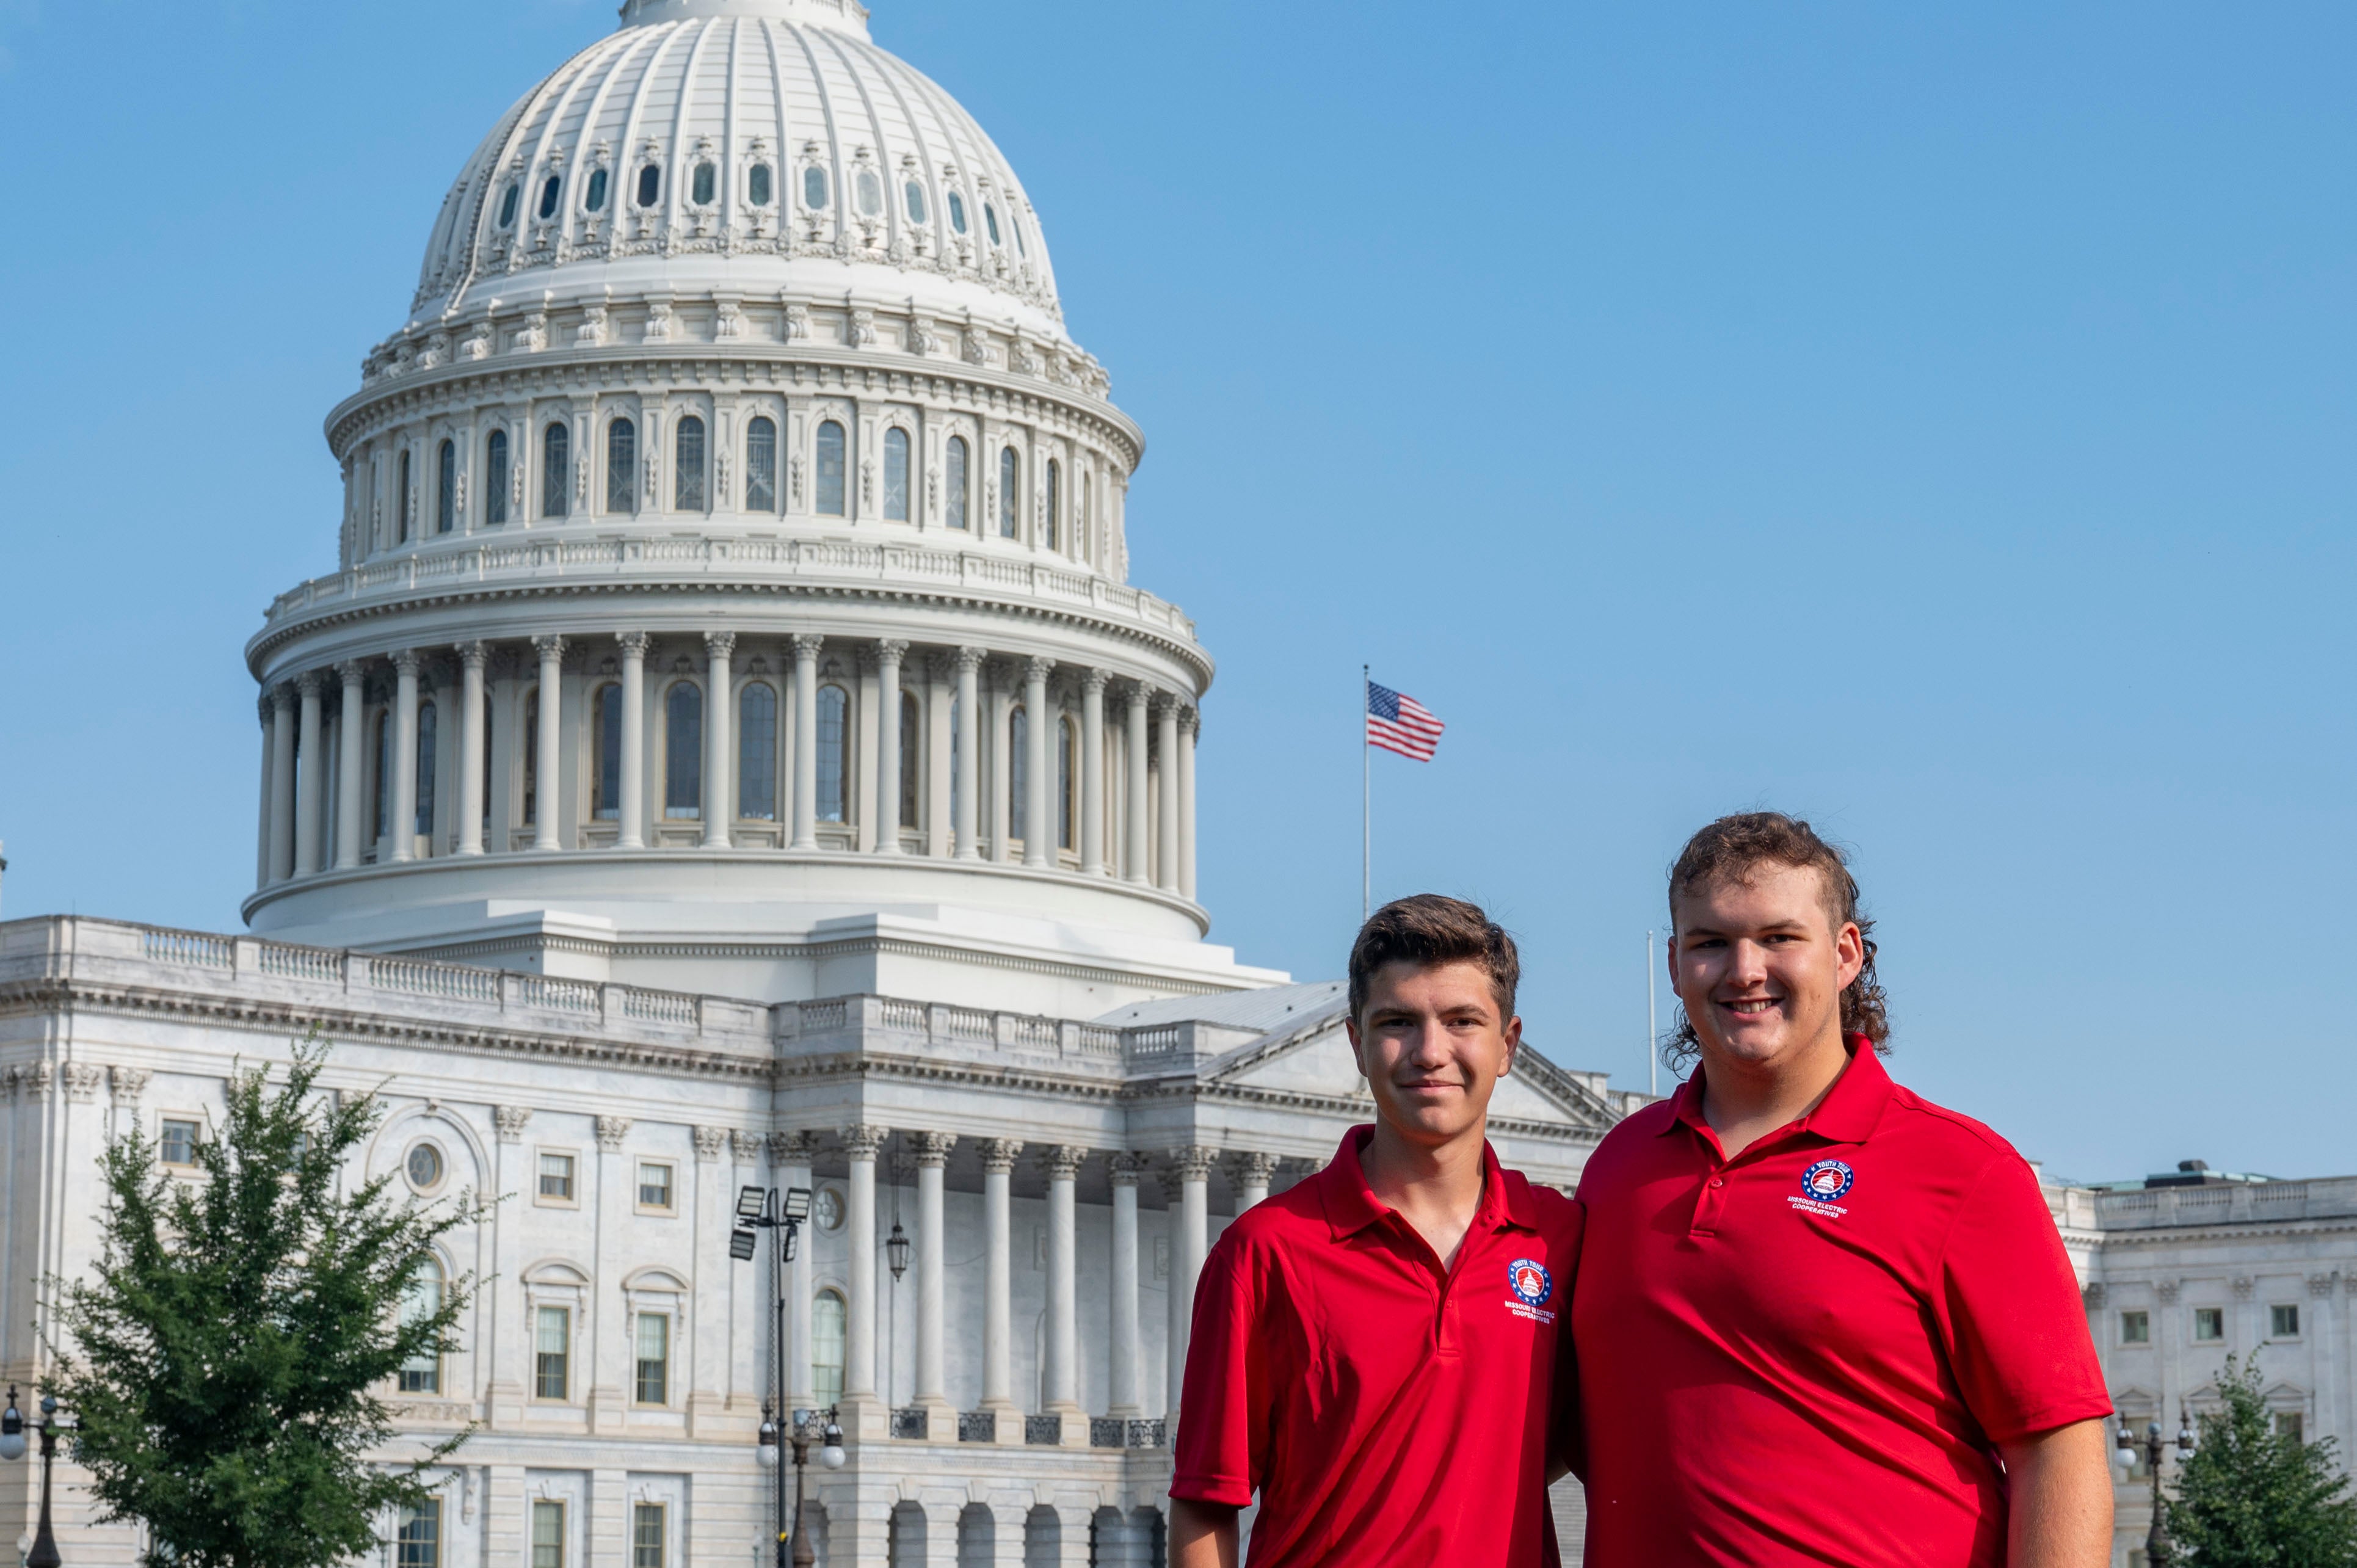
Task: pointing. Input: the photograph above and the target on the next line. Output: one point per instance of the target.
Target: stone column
(720, 703)
(552, 673)
(969, 754)
(860, 1144)
(889, 760)
(940, 746)
(632, 833)
(1063, 1369)
(806, 646)
(472, 656)
(1135, 866)
(350, 764)
(1249, 1175)
(1039, 819)
(1002, 766)
(1124, 1338)
(262, 796)
(1184, 1187)
(282, 782)
(404, 825)
(998, 1276)
(1186, 732)
(790, 1155)
(1093, 779)
(932, 1155)
(1165, 831)
(310, 775)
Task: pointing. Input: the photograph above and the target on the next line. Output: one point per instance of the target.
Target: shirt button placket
(1709, 1204)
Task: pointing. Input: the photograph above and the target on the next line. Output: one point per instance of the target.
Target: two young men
(1817, 1320)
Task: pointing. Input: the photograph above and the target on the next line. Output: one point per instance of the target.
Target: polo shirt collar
(1351, 1206)
(1847, 1115)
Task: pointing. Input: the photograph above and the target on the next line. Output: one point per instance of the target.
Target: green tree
(226, 1347)
(2252, 1497)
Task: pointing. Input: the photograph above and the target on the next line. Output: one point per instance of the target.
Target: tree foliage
(2250, 1497)
(227, 1346)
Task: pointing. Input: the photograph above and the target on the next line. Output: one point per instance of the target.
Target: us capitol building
(729, 752)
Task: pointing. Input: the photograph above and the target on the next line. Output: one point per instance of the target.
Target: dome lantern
(843, 15)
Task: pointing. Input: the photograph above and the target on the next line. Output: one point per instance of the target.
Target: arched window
(916, 197)
(408, 497)
(421, 1298)
(687, 484)
(1014, 221)
(957, 740)
(495, 478)
(607, 798)
(1055, 499)
(834, 757)
(705, 185)
(426, 742)
(828, 1320)
(683, 751)
(757, 185)
(990, 221)
(1007, 512)
(953, 483)
(895, 475)
(384, 775)
(446, 487)
(1019, 775)
(508, 204)
(650, 186)
(597, 198)
(762, 464)
(815, 188)
(555, 469)
(531, 757)
(549, 191)
(957, 212)
(871, 194)
(1067, 753)
(910, 729)
(490, 750)
(621, 466)
(1084, 535)
(829, 469)
(756, 752)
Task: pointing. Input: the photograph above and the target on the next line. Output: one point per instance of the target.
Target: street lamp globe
(11, 1431)
(768, 1449)
(830, 1455)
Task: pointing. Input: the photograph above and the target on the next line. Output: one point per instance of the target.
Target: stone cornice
(2240, 1231)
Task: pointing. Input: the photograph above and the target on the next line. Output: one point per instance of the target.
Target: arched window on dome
(1009, 512)
(915, 195)
(596, 200)
(833, 755)
(829, 469)
(757, 752)
(555, 469)
(895, 475)
(953, 482)
(427, 740)
(551, 189)
(1014, 221)
(761, 464)
(650, 185)
(871, 194)
(911, 771)
(684, 752)
(704, 184)
(384, 818)
(1055, 499)
(1019, 775)
(990, 222)
(532, 757)
(496, 477)
(508, 204)
(606, 798)
(1067, 753)
(446, 487)
(815, 188)
(408, 497)
(1083, 533)
(491, 749)
(688, 486)
(957, 212)
(621, 466)
(757, 184)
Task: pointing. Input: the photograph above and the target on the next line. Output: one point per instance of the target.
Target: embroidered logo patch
(1827, 1181)
(1530, 1282)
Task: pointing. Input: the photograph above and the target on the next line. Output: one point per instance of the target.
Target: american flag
(1399, 723)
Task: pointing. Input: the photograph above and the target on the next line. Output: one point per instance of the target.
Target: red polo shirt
(1386, 1409)
(1805, 1354)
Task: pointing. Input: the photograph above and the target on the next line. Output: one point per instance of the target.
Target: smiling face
(1433, 1042)
(1760, 965)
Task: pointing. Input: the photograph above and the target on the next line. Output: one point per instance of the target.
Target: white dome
(744, 145)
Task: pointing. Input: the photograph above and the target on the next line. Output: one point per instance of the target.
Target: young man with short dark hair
(1375, 1350)
(1830, 1322)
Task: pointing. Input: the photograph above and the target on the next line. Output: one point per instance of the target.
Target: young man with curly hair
(1825, 1321)
(1375, 1351)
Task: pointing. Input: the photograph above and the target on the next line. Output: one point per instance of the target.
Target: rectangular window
(654, 1185)
(547, 1533)
(2290, 1424)
(2136, 1329)
(610, 754)
(647, 1535)
(556, 1178)
(420, 1299)
(2283, 1322)
(420, 1542)
(552, 1347)
(653, 1384)
(178, 1146)
(2209, 1323)
(761, 465)
(756, 752)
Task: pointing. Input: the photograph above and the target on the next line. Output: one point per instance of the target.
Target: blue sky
(1932, 422)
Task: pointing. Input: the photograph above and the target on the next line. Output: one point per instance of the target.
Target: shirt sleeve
(2014, 1324)
(1224, 1405)
(1566, 1436)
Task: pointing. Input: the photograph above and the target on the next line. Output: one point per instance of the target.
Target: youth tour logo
(1530, 1282)
(1828, 1181)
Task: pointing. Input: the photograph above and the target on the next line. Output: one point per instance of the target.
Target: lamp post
(2157, 1552)
(803, 1428)
(44, 1553)
(781, 1213)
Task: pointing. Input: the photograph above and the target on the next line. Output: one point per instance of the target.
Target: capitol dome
(732, 576)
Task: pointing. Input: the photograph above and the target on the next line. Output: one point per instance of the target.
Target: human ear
(1849, 946)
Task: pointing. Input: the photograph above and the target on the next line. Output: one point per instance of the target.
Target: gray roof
(1256, 1010)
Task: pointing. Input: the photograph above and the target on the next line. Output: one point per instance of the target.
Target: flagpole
(1366, 804)
(1653, 1028)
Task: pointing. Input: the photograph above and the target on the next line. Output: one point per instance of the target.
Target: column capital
(264, 706)
(969, 659)
(129, 1082)
(861, 1142)
(1063, 1161)
(1246, 1167)
(792, 1148)
(549, 647)
(933, 1148)
(282, 698)
(1191, 1162)
(406, 662)
(891, 650)
(351, 671)
(746, 1146)
(611, 1131)
(634, 644)
(1167, 705)
(710, 1142)
(1124, 1169)
(1190, 719)
(1037, 668)
(999, 1154)
(1142, 694)
(1094, 679)
(510, 1121)
(311, 683)
(807, 644)
(719, 644)
(474, 655)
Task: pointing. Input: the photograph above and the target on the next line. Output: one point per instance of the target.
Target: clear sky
(1933, 421)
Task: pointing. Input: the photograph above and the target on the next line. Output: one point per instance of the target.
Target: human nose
(1429, 1048)
(1750, 964)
